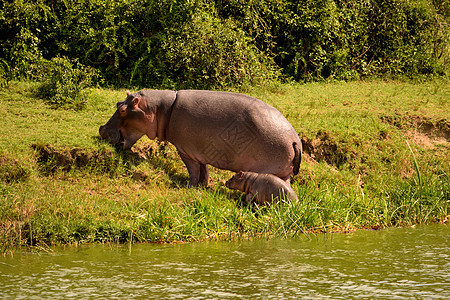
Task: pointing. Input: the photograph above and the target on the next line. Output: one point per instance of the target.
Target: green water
(411, 263)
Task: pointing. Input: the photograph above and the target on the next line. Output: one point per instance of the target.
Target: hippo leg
(249, 198)
(204, 174)
(198, 173)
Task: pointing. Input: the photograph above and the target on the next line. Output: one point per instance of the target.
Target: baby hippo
(262, 188)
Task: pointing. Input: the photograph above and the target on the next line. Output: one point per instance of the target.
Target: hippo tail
(297, 156)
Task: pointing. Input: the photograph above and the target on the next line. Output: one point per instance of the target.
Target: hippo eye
(123, 110)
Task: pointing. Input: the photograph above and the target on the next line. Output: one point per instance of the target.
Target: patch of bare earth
(66, 159)
(422, 131)
(323, 148)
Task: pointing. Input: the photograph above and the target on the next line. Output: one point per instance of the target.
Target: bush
(347, 39)
(22, 26)
(5, 74)
(212, 44)
(64, 81)
(216, 53)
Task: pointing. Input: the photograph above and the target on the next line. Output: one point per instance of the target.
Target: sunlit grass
(376, 155)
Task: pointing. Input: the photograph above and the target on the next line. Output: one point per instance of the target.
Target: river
(396, 263)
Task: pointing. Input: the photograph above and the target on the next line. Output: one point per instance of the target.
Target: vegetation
(375, 148)
(64, 83)
(218, 44)
(375, 155)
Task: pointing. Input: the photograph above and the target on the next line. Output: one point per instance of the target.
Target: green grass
(376, 155)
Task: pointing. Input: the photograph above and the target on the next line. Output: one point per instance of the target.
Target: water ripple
(388, 264)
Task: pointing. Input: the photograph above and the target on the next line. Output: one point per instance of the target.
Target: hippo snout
(101, 131)
(112, 136)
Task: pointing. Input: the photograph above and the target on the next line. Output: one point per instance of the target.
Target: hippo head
(129, 123)
(110, 131)
(236, 182)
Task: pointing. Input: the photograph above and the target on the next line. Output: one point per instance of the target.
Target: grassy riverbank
(376, 155)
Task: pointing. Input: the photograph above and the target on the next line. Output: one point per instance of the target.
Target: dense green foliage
(213, 44)
(64, 82)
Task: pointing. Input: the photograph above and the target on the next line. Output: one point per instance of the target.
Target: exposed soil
(51, 158)
(422, 131)
(324, 148)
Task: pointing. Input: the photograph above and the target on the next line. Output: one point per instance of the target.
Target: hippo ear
(240, 174)
(128, 93)
(135, 101)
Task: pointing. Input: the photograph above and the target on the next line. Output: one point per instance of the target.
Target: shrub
(64, 82)
(22, 26)
(346, 39)
(210, 44)
(5, 74)
(216, 53)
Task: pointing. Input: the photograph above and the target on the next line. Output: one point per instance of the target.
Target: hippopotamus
(226, 130)
(261, 188)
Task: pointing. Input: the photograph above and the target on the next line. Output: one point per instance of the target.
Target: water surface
(387, 264)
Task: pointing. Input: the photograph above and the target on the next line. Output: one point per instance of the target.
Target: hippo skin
(261, 188)
(226, 130)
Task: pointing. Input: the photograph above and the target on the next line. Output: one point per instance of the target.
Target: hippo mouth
(112, 136)
(227, 183)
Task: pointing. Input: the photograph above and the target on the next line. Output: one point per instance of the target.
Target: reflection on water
(393, 263)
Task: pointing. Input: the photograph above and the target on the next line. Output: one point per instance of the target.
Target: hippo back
(232, 131)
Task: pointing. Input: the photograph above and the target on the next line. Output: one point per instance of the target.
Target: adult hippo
(226, 130)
